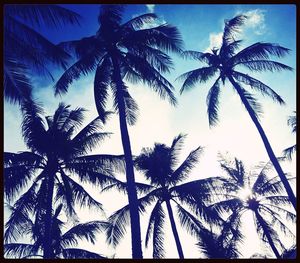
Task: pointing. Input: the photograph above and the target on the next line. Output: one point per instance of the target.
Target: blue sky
(201, 27)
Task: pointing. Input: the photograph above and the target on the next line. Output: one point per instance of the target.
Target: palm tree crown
(160, 167)
(257, 193)
(57, 154)
(62, 242)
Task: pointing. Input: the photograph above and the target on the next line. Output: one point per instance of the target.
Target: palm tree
(58, 152)
(25, 49)
(224, 62)
(161, 169)
(132, 51)
(259, 194)
(292, 122)
(63, 243)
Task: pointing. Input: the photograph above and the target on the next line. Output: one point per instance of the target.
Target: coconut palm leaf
(85, 231)
(20, 250)
(258, 85)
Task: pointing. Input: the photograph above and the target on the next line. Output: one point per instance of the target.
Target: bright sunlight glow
(244, 194)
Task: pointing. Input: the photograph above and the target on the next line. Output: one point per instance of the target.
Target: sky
(235, 135)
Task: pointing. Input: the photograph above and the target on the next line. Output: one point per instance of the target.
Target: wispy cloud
(150, 8)
(256, 21)
(215, 41)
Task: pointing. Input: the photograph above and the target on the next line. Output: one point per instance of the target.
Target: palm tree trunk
(266, 232)
(48, 250)
(174, 230)
(136, 241)
(265, 140)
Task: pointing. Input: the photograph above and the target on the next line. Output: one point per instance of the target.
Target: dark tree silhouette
(161, 169)
(260, 194)
(292, 122)
(134, 52)
(62, 243)
(25, 49)
(58, 153)
(224, 62)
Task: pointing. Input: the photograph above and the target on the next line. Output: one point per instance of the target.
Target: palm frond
(153, 215)
(20, 250)
(80, 196)
(18, 170)
(212, 101)
(17, 85)
(264, 65)
(50, 15)
(258, 85)
(131, 108)
(139, 22)
(158, 233)
(175, 149)
(101, 83)
(164, 37)
(288, 152)
(200, 75)
(187, 165)
(119, 219)
(232, 27)
(203, 57)
(259, 51)
(33, 126)
(85, 231)
(139, 69)
(83, 66)
(29, 36)
(251, 100)
(19, 221)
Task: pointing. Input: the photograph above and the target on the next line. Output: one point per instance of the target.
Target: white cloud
(215, 41)
(256, 21)
(150, 8)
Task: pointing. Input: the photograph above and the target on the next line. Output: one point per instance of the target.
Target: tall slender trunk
(266, 232)
(174, 229)
(48, 250)
(265, 140)
(135, 225)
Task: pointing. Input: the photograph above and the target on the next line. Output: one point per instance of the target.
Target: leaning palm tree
(292, 122)
(224, 62)
(57, 153)
(63, 243)
(259, 194)
(133, 51)
(161, 169)
(26, 50)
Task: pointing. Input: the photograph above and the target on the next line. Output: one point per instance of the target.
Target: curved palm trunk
(48, 250)
(136, 241)
(266, 232)
(267, 144)
(174, 230)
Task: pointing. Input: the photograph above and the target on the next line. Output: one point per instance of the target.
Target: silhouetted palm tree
(26, 49)
(261, 195)
(58, 152)
(224, 62)
(292, 122)
(134, 52)
(161, 169)
(62, 243)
